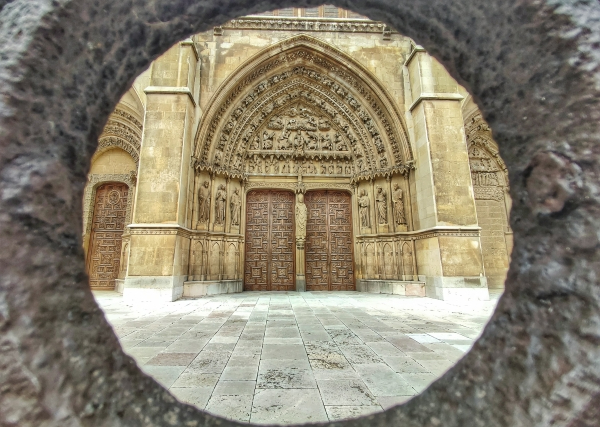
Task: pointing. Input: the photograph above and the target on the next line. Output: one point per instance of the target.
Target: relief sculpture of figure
(220, 199)
(204, 202)
(236, 206)
(363, 207)
(301, 216)
(398, 199)
(381, 200)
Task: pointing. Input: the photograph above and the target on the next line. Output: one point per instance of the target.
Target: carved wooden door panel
(329, 248)
(269, 260)
(108, 223)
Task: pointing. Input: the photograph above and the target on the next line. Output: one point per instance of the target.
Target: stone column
(450, 260)
(227, 225)
(242, 231)
(373, 208)
(390, 210)
(357, 232)
(159, 248)
(211, 212)
(301, 218)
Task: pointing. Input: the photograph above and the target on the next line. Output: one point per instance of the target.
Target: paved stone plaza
(296, 357)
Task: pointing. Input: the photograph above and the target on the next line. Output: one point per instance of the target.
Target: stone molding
(435, 97)
(306, 24)
(190, 42)
(171, 90)
(89, 195)
(425, 233)
(178, 230)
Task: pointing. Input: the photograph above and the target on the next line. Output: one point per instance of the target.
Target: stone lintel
(171, 90)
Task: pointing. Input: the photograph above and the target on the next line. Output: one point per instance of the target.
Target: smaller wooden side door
(110, 208)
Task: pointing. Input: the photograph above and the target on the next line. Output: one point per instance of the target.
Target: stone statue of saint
(363, 208)
(235, 204)
(301, 216)
(220, 199)
(398, 199)
(204, 202)
(381, 203)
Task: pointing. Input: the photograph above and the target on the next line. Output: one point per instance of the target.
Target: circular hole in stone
(530, 67)
(297, 226)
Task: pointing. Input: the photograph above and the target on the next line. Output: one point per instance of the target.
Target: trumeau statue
(235, 206)
(204, 202)
(398, 199)
(363, 207)
(220, 199)
(381, 203)
(301, 216)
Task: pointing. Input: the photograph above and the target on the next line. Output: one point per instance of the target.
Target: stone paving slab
(282, 358)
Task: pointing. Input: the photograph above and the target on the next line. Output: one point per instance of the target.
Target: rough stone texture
(533, 66)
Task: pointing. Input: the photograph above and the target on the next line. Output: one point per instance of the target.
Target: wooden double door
(104, 255)
(270, 243)
(329, 245)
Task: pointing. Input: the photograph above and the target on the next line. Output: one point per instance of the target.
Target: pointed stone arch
(302, 99)
(123, 130)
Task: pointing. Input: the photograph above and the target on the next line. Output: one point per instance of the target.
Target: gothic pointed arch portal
(302, 106)
(300, 115)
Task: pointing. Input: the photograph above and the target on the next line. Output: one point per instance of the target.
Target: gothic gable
(302, 106)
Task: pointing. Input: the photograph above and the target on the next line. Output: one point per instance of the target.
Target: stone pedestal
(300, 273)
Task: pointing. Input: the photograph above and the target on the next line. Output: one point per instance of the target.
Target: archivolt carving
(296, 120)
(488, 171)
(89, 195)
(124, 131)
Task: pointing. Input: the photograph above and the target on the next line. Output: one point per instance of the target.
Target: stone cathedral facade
(309, 150)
